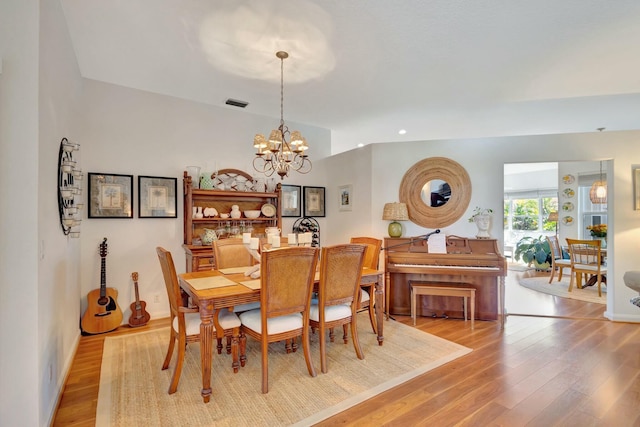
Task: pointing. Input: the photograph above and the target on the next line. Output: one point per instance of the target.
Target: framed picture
(345, 201)
(313, 201)
(157, 197)
(291, 199)
(110, 195)
(636, 188)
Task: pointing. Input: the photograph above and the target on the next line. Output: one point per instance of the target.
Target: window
(527, 214)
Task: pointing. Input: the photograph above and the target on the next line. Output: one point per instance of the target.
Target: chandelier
(284, 150)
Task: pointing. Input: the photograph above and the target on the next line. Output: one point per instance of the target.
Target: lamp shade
(598, 192)
(553, 216)
(395, 212)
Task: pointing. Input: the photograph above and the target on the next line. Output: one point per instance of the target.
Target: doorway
(533, 192)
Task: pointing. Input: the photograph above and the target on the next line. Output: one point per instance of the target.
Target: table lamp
(395, 212)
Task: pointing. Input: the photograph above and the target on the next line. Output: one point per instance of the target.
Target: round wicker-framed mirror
(425, 171)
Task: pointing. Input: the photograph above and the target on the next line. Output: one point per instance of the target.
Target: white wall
(58, 266)
(484, 160)
(19, 355)
(131, 132)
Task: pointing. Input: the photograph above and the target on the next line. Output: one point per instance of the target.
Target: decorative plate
(569, 193)
(567, 206)
(268, 210)
(567, 220)
(568, 179)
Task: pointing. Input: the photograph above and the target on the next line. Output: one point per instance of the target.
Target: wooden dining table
(211, 300)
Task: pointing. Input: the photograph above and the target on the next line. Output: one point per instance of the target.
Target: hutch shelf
(199, 256)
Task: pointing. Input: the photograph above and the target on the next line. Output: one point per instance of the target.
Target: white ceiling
(367, 68)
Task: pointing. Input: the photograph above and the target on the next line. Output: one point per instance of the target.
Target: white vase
(199, 212)
(483, 222)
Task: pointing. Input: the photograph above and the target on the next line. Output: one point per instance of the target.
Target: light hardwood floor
(578, 370)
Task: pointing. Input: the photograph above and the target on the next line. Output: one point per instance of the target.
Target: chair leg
(306, 347)
(599, 285)
(345, 333)
(323, 348)
(229, 343)
(264, 345)
(243, 349)
(560, 269)
(235, 365)
(573, 276)
(372, 316)
(355, 339)
(553, 272)
(172, 344)
(182, 344)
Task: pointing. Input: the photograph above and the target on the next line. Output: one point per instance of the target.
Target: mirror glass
(436, 193)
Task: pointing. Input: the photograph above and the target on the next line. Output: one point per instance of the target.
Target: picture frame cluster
(111, 196)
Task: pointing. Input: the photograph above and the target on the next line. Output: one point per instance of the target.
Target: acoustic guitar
(139, 316)
(103, 313)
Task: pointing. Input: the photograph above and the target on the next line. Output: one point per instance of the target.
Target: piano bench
(448, 291)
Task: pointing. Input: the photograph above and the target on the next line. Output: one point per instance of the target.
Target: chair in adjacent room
(286, 283)
(586, 259)
(338, 296)
(557, 260)
(371, 260)
(185, 321)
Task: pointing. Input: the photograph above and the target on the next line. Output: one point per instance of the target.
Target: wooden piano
(469, 262)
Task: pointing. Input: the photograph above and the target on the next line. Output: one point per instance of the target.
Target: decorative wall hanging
(291, 200)
(157, 197)
(314, 201)
(69, 189)
(110, 195)
(345, 197)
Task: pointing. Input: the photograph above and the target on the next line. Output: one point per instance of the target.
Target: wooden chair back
(170, 281)
(372, 254)
(584, 253)
(287, 276)
(229, 253)
(340, 274)
(556, 252)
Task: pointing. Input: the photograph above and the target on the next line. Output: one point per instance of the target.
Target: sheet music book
(437, 244)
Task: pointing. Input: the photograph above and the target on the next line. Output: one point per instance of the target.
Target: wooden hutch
(225, 194)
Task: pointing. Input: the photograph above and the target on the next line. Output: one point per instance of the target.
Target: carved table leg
(206, 349)
(380, 307)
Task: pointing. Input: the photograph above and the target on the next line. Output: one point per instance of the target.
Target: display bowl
(252, 214)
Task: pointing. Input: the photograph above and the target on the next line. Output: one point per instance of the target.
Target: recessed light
(402, 131)
(360, 145)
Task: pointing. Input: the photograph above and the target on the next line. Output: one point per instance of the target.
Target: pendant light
(598, 191)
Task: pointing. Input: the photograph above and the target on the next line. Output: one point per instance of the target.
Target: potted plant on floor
(534, 251)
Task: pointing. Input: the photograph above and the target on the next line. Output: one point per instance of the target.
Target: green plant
(533, 250)
(479, 211)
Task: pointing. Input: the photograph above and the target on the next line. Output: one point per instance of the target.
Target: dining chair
(338, 293)
(229, 253)
(586, 259)
(286, 282)
(371, 260)
(557, 260)
(185, 321)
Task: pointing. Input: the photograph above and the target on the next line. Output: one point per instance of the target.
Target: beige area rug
(561, 289)
(133, 388)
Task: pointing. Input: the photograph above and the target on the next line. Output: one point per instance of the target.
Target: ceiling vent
(236, 103)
